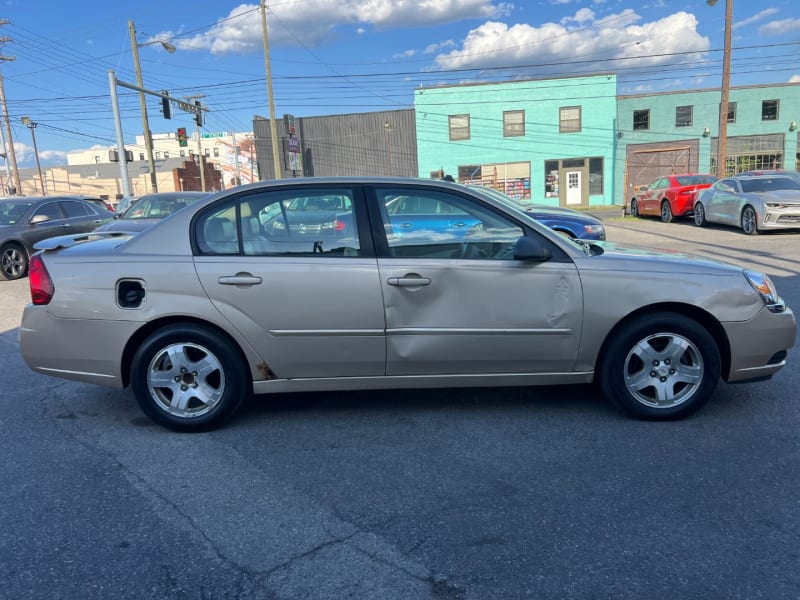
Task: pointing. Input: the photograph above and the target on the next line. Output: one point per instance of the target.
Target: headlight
(778, 205)
(594, 229)
(764, 286)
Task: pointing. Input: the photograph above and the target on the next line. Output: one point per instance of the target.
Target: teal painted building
(549, 140)
(574, 142)
(676, 132)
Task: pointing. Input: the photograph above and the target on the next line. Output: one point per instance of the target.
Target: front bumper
(758, 346)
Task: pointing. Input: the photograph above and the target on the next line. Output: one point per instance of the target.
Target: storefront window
(595, 176)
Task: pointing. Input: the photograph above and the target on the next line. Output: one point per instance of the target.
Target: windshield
(158, 208)
(12, 212)
(769, 184)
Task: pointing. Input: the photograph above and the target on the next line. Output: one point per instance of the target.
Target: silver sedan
(752, 202)
(216, 303)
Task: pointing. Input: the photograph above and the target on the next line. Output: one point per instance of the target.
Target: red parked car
(670, 196)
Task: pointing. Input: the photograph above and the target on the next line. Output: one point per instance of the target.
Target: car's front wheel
(13, 262)
(189, 378)
(666, 212)
(660, 366)
(749, 220)
(699, 215)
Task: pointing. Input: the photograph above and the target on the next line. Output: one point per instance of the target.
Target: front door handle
(410, 280)
(240, 279)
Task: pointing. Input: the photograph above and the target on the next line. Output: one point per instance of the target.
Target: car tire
(666, 212)
(13, 262)
(660, 366)
(749, 220)
(634, 208)
(700, 215)
(206, 387)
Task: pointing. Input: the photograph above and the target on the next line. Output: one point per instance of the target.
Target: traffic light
(166, 107)
(198, 117)
(182, 141)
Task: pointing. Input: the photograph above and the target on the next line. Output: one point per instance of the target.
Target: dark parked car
(148, 210)
(26, 220)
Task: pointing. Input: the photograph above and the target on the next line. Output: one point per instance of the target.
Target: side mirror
(532, 250)
(39, 219)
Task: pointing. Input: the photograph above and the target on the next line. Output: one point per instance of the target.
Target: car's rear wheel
(634, 208)
(660, 366)
(189, 378)
(13, 262)
(749, 220)
(666, 212)
(699, 215)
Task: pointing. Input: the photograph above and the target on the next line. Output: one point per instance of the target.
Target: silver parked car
(145, 211)
(753, 202)
(237, 294)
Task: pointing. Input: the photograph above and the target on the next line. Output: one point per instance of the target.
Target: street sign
(294, 145)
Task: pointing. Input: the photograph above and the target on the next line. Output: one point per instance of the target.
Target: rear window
(695, 179)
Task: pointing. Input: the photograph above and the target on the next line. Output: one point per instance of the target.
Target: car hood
(792, 196)
(132, 225)
(549, 213)
(653, 260)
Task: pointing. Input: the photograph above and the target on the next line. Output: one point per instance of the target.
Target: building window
(569, 119)
(216, 152)
(141, 155)
(683, 116)
(166, 154)
(459, 127)
(513, 123)
(158, 155)
(641, 120)
(731, 112)
(595, 176)
(769, 110)
(206, 152)
(183, 152)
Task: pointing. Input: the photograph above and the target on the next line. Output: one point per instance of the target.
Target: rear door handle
(410, 280)
(240, 279)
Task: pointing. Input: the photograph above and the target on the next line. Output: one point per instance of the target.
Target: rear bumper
(758, 346)
(77, 349)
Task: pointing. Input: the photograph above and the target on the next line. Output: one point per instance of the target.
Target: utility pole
(722, 140)
(10, 148)
(273, 128)
(197, 121)
(148, 140)
(32, 126)
(236, 160)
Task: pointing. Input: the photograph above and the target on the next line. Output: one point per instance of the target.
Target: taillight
(42, 287)
(339, 225)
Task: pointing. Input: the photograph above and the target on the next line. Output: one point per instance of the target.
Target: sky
(349, 56)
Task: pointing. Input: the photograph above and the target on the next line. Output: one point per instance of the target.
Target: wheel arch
(703, 317)
(149, 328)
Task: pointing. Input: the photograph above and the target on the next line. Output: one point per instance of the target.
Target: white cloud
(430, 49)
(794, 79)
(780, 27)
(614, 36)
(240, 30)
(767, 12)
(405, 54)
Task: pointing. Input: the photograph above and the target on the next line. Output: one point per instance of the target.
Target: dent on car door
(309, 303)
(460, 303)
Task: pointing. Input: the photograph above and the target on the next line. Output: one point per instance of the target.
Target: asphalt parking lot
(444, 495)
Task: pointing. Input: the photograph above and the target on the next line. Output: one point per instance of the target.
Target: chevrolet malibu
(209, 306)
